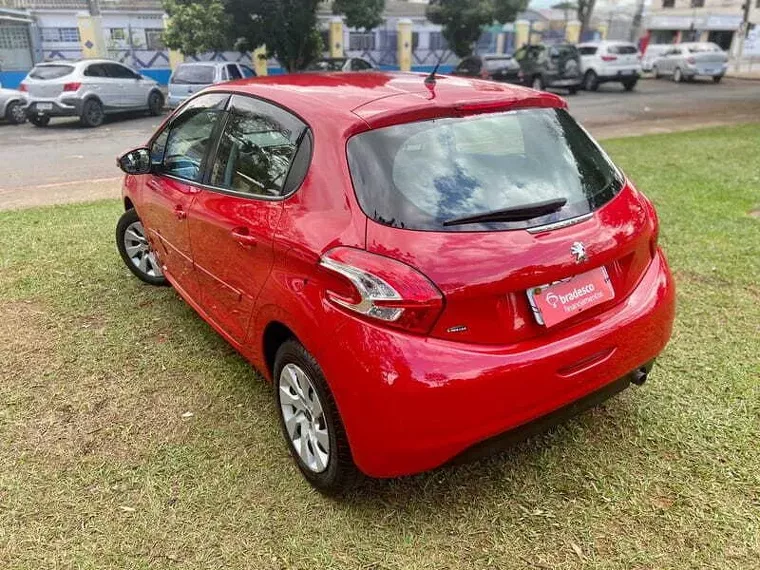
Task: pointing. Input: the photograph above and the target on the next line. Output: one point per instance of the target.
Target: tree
(287, 27)
(505, 11)
(360, 14)
(462, 21)
(197, 27)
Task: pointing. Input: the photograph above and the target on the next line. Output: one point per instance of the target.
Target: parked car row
(588, 65)
(92, 89)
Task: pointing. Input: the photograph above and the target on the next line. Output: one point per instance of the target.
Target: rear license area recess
(558, 301)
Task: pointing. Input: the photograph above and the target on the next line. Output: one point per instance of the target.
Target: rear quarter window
(419, 175)
(51, 71)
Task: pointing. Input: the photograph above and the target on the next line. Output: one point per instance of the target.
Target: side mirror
(135, 161)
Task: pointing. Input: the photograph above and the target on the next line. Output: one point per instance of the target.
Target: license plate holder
(558, 301)
(44, 106)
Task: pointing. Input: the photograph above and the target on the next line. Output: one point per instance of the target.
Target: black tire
(14, 113)
(591, 81)
(572, 90)
(92, 114)
(155, 104)
(125, 221)
(717, 78)
(341, 473)
(39, 120)
(677, 75)
(629, 85)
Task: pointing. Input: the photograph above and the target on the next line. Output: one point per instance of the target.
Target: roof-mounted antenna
(430, 79)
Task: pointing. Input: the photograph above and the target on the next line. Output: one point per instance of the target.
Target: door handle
(179, 211)
(243, 237)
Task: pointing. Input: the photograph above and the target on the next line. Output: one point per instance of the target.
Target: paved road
(65, 162)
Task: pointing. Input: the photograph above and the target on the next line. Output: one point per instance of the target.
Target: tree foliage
(360, 14)
(463, 20)
(197, 27)
(505, 11)
(288, 28)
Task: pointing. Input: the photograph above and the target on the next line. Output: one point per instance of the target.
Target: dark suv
(548, 66)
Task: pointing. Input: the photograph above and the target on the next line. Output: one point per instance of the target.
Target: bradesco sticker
(562, 300)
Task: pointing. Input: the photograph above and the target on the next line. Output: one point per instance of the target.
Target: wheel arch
(128, 204)
(274, 335)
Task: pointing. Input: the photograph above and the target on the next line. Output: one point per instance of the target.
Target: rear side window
(622, 49)
(419, 175)
(50, 71)
(116, 71)
(95, 70)
(194, 74)
(256, 148)
(587, 50)
(233, 71)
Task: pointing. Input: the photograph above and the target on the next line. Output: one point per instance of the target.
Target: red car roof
(378, 99)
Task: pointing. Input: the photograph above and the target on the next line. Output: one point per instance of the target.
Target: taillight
(691, 60)
(74, 86)
(381, 289)
(23, 87)
(609, 57)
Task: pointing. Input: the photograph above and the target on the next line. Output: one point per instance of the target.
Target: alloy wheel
(139, 251)
(304, 418)
(17, 114)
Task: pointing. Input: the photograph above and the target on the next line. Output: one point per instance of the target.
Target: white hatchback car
(88, 89)
(610, 61)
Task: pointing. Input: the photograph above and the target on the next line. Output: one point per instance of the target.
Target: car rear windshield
(704, 48)
(419, 175)
(194, 74)
(623, 49)
(497, 62)
(50, 71)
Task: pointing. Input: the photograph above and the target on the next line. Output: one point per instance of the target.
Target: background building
(673, 21)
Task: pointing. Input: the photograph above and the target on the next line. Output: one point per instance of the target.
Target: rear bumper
(58, 108)
(572, 82)
(620, 75)
(410, 404)
(718, 71)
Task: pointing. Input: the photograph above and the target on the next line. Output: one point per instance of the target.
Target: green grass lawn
(99, 467)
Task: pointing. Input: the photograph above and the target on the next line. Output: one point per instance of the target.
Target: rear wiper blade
(513, 214)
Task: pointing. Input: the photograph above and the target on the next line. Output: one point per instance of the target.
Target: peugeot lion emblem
(578, 251)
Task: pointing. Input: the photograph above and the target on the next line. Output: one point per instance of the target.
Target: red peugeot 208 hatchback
(423, 269)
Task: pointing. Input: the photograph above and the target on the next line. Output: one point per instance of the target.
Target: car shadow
(68, 123)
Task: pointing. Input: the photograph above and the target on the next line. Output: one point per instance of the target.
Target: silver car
(190, 78)
(88, 89)
(688, 60)
(13, 105)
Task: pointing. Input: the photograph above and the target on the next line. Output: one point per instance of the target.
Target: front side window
(422, 174)
(256, 148)
(181, 148)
